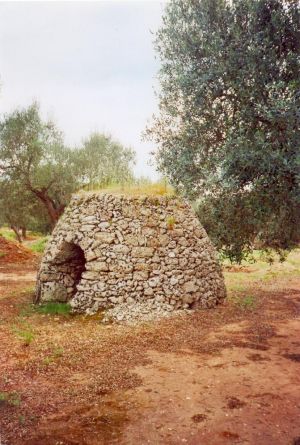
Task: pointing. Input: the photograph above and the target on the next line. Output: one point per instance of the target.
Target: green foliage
(228, 131)
(102, 161)
(38, 173)
(34, 163)
(53, 308)
(19, 209)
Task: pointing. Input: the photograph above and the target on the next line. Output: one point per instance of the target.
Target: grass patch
(2, 254)
(247, 302)
(50, 308)
(39, 245)
(8, 234)
(53, 308)
(261, 271)
(136, 188)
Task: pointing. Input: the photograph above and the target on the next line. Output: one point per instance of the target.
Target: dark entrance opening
(70, 264)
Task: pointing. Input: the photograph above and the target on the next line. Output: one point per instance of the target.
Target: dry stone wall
(108, 250)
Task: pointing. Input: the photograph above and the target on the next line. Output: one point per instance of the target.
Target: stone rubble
(140, 311)
(114, 251)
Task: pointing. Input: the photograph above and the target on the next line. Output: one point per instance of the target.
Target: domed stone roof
(110, 249)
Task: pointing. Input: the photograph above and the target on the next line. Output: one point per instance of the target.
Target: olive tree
(35, 163)
(101, 160)
(33, 155)
(228, 127)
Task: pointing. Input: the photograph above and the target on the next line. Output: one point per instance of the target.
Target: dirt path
(224, 376)
(23, 276)
(241, 395)
(15, 279)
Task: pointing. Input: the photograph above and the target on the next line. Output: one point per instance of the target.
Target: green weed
(11, 398)
(26, 336)
(24, 333)
(22, 419)
(246, 302)
(171, 222)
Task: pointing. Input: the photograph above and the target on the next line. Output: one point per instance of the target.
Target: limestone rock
(105, 237)
(142, 252)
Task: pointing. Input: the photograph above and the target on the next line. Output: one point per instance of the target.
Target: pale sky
(91, 65)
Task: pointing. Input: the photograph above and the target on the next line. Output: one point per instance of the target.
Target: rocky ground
(228, 375)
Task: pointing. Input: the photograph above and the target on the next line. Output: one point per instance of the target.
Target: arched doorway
(70, 262)
(64, 275)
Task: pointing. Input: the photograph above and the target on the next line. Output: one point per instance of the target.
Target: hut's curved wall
(109, 249)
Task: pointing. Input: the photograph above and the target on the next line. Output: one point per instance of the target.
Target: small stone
(142, 252)
(154, 282)
(141, 275)
(105, 237)
(173, 281)
(190, 286)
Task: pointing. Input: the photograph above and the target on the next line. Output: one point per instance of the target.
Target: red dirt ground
(222, 376)
(12, 252)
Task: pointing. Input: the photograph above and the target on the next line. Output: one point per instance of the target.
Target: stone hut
(110, 249)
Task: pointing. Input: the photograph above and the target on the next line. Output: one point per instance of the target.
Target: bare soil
(13, 252)
(229, 375)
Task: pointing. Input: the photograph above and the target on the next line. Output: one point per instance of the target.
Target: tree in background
(20, 210)
(32, 154)
(102, 161)
(36, 168)
(228, 128)
(15, 208)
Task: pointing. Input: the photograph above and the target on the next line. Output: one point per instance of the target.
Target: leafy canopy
(228, 128)
(37, 167)
(102, 161)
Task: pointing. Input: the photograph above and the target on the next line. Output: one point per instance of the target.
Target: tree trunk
(16, 230)
(24, 233)
(53, 212)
